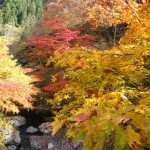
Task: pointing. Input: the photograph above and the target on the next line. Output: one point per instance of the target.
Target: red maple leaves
(41, 48)
(61, 39)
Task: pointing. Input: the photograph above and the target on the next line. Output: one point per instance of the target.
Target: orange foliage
(15, 87)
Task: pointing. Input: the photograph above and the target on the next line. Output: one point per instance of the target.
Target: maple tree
(15, 87)
(41, 48)
(110, 18)
(112, 12)
(105, 99)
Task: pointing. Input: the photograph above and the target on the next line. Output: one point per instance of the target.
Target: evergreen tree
(32, 8)
(39, 7)
(1, 19)
(16, 12)
(6, 13)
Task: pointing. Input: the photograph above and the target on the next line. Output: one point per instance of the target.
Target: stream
(33, 118)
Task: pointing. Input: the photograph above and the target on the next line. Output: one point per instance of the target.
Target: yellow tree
(15, 87)
(106, 12)
(105, 99)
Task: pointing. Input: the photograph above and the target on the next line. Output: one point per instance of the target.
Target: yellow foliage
(15, 87)
(105, 98)
(57, 124)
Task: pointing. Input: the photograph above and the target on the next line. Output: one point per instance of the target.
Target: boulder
(17, 120)
(47, 142)
(38, 142)
(8, 132)
(11, 134)
(31, 130)
(46, 128)
(16, 137)
(12, 147)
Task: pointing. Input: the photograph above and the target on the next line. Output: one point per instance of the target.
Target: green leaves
(119, 142)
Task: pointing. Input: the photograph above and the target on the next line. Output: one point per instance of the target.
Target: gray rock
(50, 145)
(31, 129)
(8, 132)
(56, 142)
(38, 142)
(77, 143)
(48, 142)
(12, 147)
(46, 128)
(11, 134)
(17, 138)
(17, 120)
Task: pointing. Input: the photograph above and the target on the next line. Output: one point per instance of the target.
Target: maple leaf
(107, 71)
(82, 117)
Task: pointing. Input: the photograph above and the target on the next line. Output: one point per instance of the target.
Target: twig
(115, 29)
(134, 12)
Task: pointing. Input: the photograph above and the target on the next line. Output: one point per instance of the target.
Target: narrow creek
(33, 118)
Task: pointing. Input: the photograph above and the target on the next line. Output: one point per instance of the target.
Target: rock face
(45, 128)
(17, 120)
(31, 130)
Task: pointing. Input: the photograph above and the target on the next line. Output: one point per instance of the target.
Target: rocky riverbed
(32, 131)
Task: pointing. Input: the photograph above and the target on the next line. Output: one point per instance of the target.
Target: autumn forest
(85, 61)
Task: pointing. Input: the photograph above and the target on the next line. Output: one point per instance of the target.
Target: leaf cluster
(15, 86)
(41, 48)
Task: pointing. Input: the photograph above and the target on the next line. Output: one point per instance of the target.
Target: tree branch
(133, 12)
